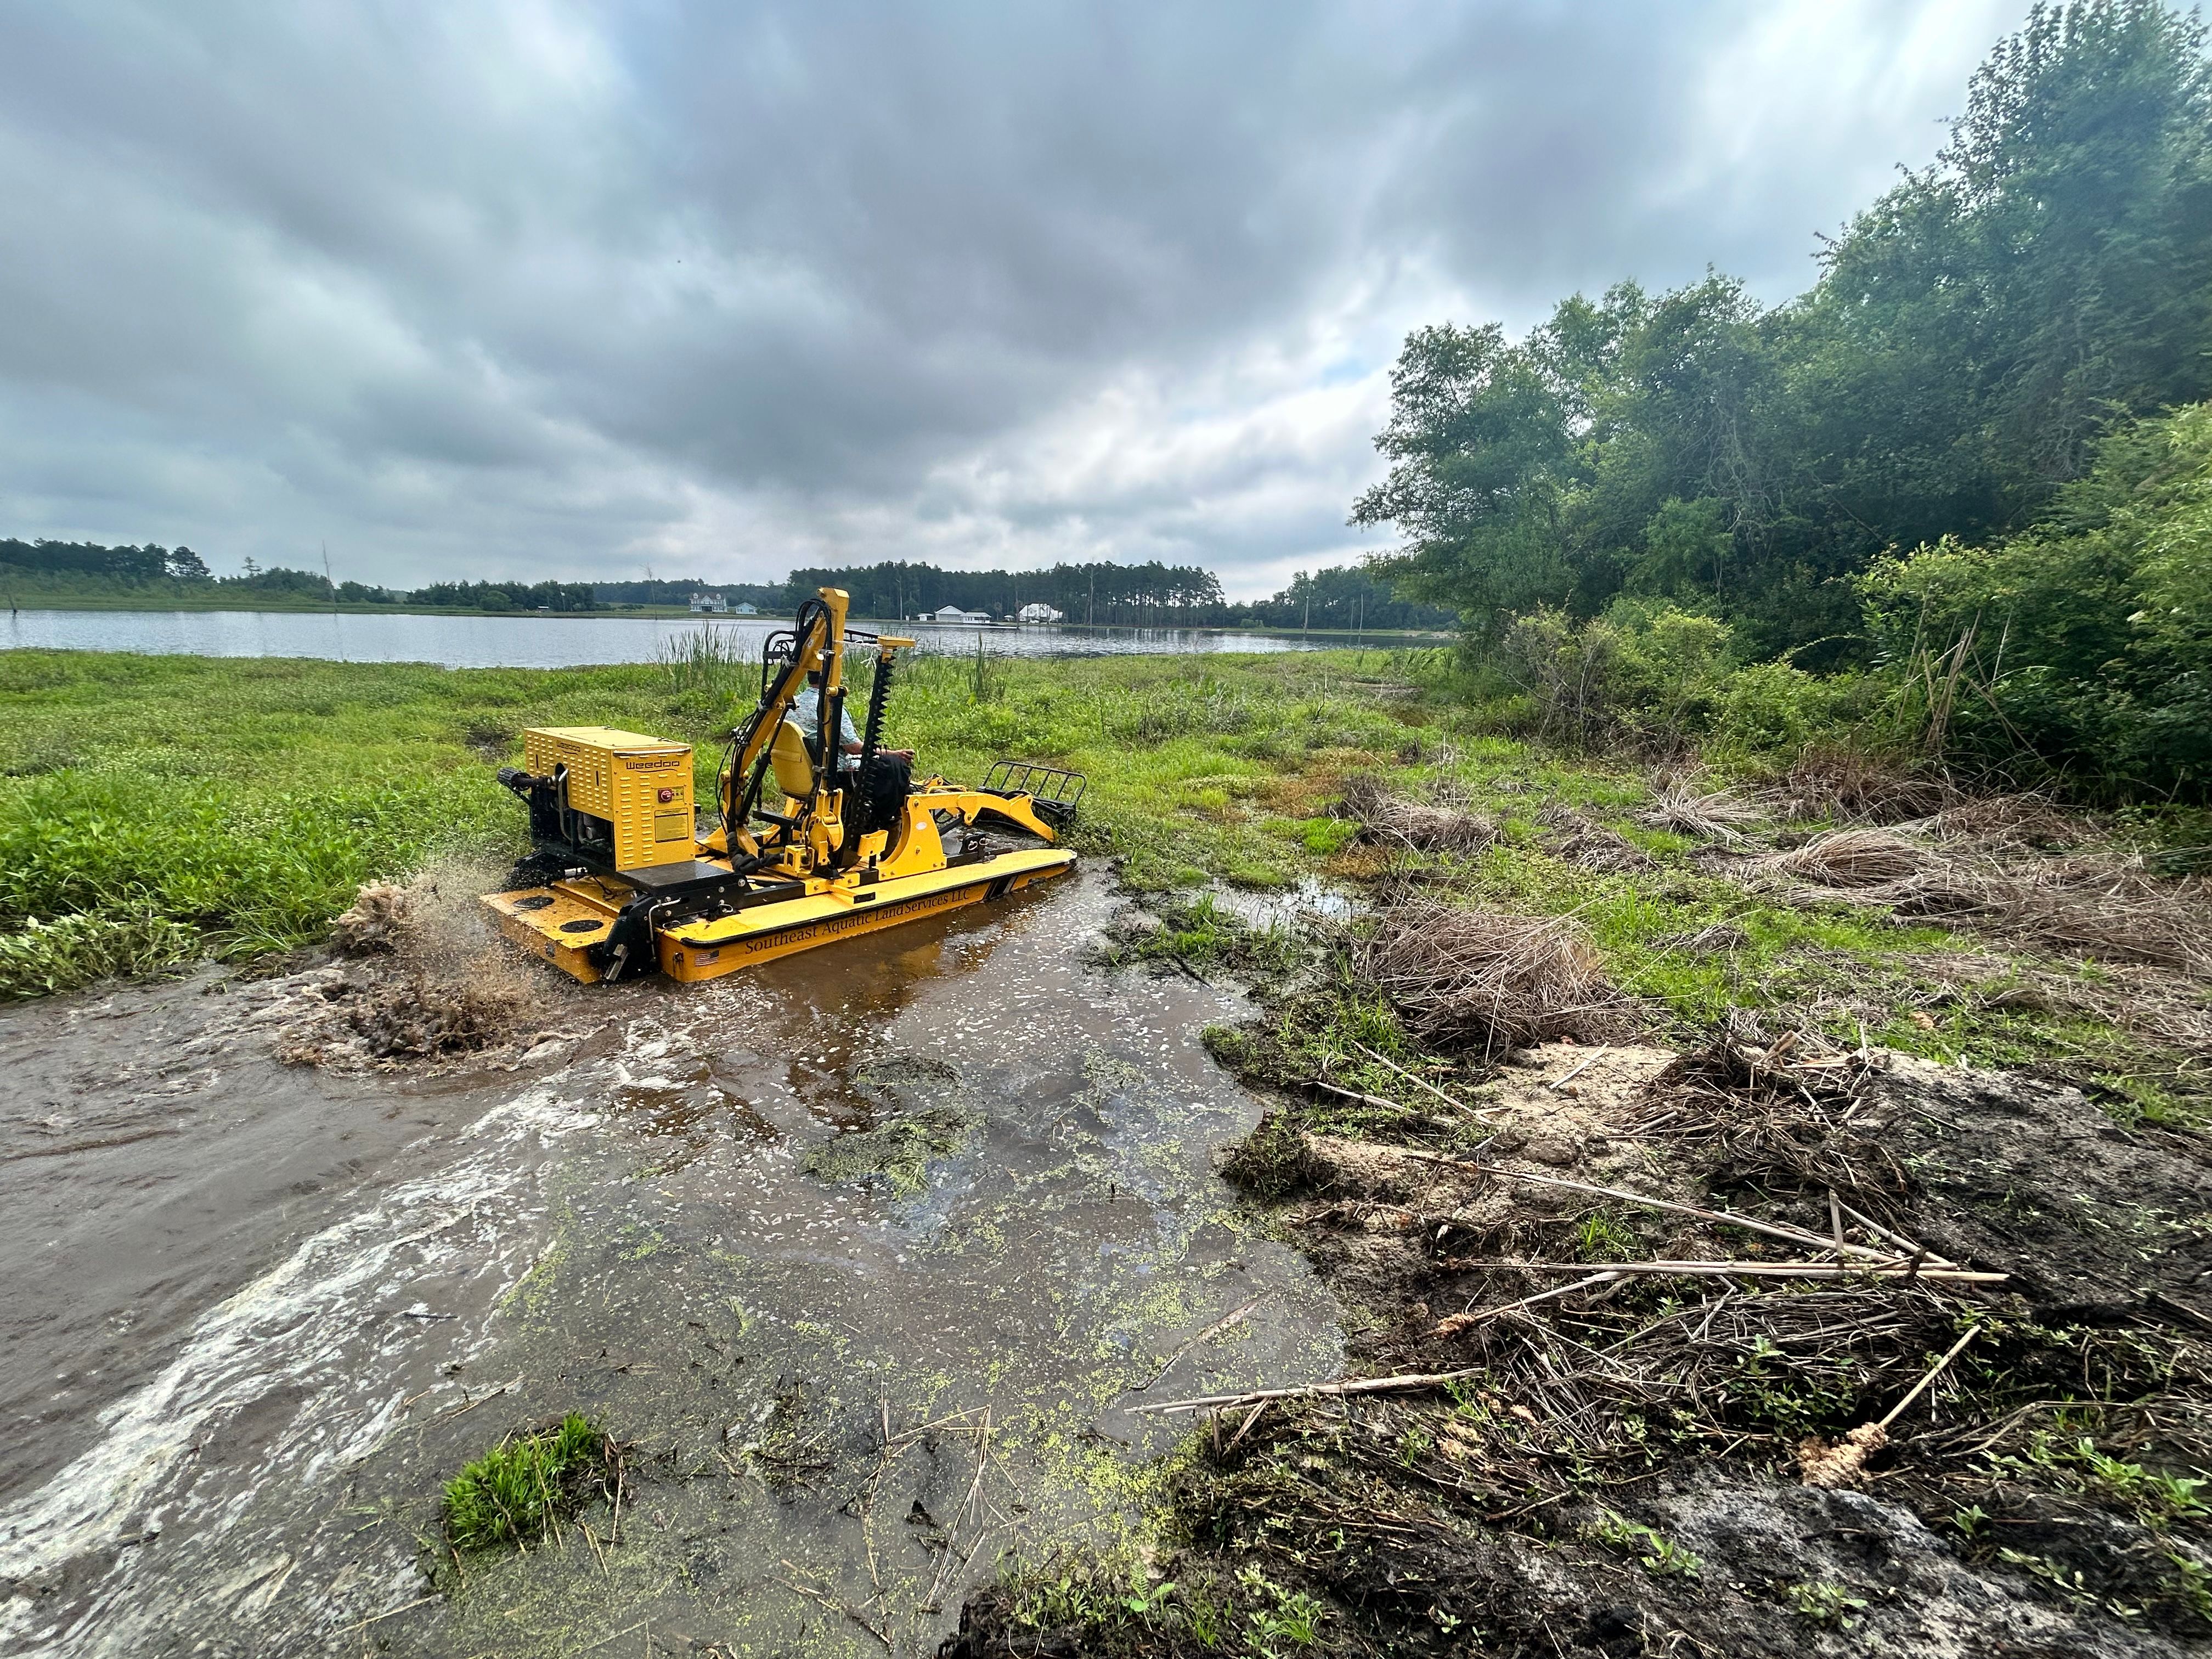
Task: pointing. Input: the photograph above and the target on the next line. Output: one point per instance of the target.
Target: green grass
(1658, 1555)
(156, 809)
(516, 1492)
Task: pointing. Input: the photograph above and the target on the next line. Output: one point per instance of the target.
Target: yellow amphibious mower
(621, 883)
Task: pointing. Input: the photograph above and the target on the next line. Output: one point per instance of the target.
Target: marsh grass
(518, 1491)
(1198, 932)
(44, 956)
(234, 808)
(710, 672)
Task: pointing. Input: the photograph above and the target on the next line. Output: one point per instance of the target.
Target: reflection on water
(541, 642)
(854, 1381)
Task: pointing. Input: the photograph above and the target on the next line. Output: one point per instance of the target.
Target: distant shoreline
(54, 606)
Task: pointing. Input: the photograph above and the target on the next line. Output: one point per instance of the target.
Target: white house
(1038, 613)
(709, 604)
(745, 609)
(953, 613)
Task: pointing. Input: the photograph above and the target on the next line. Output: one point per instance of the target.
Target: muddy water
(949, 1186)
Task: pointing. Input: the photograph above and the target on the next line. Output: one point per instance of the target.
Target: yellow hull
(559, 924)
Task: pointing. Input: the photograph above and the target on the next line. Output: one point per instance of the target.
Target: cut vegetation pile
(1446, 823)
(2086, 905)
(1467, 978)
(1778, 1347)
(1714, 815)
(1772, 1115)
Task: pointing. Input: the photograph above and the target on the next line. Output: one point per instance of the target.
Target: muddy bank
(868, 1261)
(1613, 1461)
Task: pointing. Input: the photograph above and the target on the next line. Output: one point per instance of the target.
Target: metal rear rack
(1056, 794)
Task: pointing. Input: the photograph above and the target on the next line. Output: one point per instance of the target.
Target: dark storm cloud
(523, 287)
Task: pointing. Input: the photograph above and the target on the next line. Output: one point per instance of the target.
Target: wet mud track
(870, 1256)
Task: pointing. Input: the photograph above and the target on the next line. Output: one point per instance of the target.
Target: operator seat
(792, 765)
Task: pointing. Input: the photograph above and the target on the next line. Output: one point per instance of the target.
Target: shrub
(2082, 648)
(1649, 673)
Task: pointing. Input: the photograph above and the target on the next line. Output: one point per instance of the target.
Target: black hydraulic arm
(871, 738)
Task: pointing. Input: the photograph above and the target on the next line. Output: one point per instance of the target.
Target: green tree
(1483, 468)
(1970, 337)
(1975, 330)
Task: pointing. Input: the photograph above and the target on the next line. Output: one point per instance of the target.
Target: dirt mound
(1467, 977)
(2032, 1180)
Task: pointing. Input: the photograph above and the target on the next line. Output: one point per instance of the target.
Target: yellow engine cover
(640, 785)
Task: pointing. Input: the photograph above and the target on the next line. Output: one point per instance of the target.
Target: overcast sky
(528, 289)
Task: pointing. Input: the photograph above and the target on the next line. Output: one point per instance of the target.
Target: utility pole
(333, 587)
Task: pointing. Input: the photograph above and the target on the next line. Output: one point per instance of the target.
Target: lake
(542, 641)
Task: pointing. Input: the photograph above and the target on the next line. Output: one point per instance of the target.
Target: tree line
(1145, 595)
(127, 564)
(1152, 594)
(1970, 337)
(1973, 441)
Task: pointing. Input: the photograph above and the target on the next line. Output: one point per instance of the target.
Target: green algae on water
(895, 1152)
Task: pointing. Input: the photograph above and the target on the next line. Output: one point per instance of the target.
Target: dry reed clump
(2167, 1007)
(2091, 904)
(1710, 815)
(1467, 978)
(2005, 824)
(1831, 781)
(1854, 858)
(1445, 824)
(1579, 839)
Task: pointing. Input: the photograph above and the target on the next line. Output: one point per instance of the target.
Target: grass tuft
(518, 1492)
